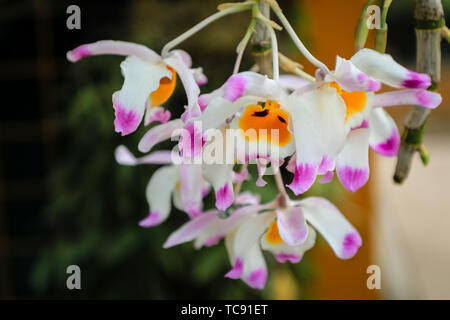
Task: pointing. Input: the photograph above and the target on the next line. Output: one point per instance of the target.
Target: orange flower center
(164, 91)
(272, 235)
(355, 100)
(262, 120)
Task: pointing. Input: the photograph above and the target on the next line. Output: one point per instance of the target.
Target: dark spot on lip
(281, 119)
(261, 113)
(262, 104)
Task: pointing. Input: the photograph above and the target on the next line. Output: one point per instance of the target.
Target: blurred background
(64, 200)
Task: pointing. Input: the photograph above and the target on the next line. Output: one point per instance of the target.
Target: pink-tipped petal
(304, 177)
(327, 177)
(390, 147)
(352, 164)
(79, 53)
(343, 238)
(126, 120)
(416, 80)
(292, 226)
(235, 87)
(121, 48)
(224, 197)
(352, 178)
(419, 97)
(257, 279)
(213, 240)
(293, 258)
(382, 67)
(157, 114)
(236, 271)
(384, 135)
(326, 165)
(158, 134)
(191, 229)
(350, 78)
(151, 220)
(352, 242)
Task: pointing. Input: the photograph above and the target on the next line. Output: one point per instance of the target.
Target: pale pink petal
(156, 114)
(384, 136)
(158, 134)
(352, 164)
(125, 157)
(112, 47)
(292, 225)
(382, 67)
(418, 97)
(350, 78)
(343, 238)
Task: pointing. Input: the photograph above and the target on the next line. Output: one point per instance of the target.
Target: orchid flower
(149, 81)
(183, 181)
(287, 232)
(310, 123)
(356, 81)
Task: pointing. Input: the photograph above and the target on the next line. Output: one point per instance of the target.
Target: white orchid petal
(352, 164)
(343, 238)
(159, 195)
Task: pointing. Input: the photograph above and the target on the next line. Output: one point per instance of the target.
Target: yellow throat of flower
(266, 116)
(355, 101)
(165, 89)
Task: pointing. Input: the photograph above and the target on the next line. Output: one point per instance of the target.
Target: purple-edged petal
(350, 78)
(254, 271)
(224, 197)
(121, 48)
(156, 114)
(292, 226)
(384, 136)
(191, 184)
(158, 134)
(352, 164)
(199, 76)
(327, 164)
(153, 219)
(220, 176)
(248, 233)
(342, 237)
(141, 79)
(318, 118)
(125, 157)
(236, 271)
(159, 194)
(327, 177)
(283, 253)
(382, 67)
(304, 177)
(422, 98)
(192, 229)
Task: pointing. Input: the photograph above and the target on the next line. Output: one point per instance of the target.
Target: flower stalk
(189, 33)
